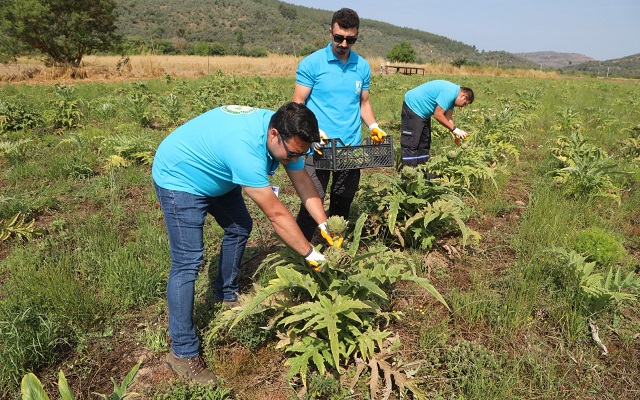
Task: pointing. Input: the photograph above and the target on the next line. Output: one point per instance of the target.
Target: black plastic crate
(337, 157)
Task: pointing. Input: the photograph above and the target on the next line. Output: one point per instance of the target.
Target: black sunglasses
(293, 154)
(339, 38)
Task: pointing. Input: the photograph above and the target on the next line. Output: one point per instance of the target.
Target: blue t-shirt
(423, 99)
(335, 92)
(217, 151)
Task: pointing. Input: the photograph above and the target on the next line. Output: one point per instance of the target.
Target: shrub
(257, 52)
(599, 245)
(17, 116)
(402, 52)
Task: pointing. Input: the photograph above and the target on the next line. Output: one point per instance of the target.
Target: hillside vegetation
(260, 26)
(554, 59)
(280, 28)
(626, 66)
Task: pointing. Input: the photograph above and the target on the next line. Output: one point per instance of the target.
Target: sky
(600, 29)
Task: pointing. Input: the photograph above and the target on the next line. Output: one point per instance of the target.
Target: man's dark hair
(295, 119)
(346, 18)
(468, 93)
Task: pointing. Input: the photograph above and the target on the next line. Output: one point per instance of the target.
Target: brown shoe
(227, 305)
(192, 369)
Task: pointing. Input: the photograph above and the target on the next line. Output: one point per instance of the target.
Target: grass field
(108, 68)
(544, 248)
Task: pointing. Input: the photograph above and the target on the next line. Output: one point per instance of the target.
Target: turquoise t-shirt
(335, 92)
(423, 99)
(216, 151)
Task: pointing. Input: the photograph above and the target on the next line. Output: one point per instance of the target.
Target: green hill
(627, 67)
(554, 59)
(256, 27)
(278, 27)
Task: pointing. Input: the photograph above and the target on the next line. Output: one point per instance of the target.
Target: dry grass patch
(110, 68)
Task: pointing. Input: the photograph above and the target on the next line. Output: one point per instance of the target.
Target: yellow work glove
(315, 258)
(332, 239)
(324, 139)
(377, 134)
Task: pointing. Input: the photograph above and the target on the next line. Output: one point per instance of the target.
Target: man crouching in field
(201, 168)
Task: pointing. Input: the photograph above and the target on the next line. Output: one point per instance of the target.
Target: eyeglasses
(293, 154)
(339, 38)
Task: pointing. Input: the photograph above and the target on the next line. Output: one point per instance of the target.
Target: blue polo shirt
(423, 99)
(215, 152)
(335, 92)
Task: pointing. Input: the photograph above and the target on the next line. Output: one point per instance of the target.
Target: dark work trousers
(343, 189)
(416, 138)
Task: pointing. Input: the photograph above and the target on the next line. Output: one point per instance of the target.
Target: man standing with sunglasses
(202, 168)
(334, 83)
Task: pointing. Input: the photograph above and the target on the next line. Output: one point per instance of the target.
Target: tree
(64, 30)
(240, 41)
(287, 11)
(402, 52)
(459, 62)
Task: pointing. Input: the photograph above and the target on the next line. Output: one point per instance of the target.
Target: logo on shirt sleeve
(237, 110)
(358, 87)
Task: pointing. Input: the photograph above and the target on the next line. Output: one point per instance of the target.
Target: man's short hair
(468, 93)
(346, 19)
(295, 119)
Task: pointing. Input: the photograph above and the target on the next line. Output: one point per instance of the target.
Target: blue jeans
(184, 215)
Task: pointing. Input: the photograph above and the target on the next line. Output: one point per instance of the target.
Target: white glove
(315, 258)
(317, 146)
(460, 134)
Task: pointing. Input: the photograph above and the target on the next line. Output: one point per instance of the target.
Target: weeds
(631, 145)
(171, 106)
(16, 152)
(324, 387)
(155, 338)
(17, 116)
(518, 325)
(32, 388)
(413, 211)
(19, 227)
(585, 170)
(597, 291)
(599, 245)
(28, 339)
(186, 391)
(138, 104)
(66, 109)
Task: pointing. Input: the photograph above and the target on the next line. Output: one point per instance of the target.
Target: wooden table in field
(404, 69)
